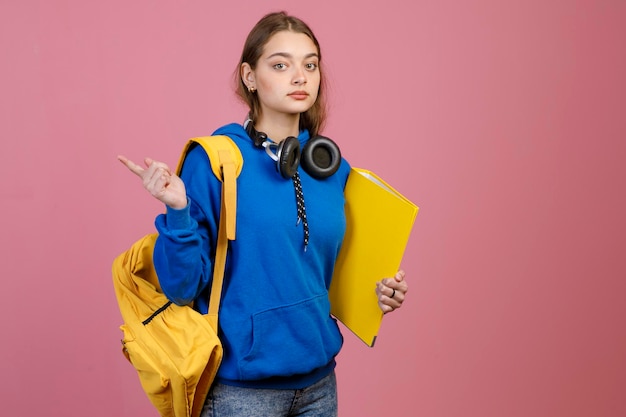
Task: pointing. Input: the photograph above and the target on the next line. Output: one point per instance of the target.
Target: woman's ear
(247, 76)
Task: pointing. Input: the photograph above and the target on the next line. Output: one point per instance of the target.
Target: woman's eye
(311, 66)
(280, 66)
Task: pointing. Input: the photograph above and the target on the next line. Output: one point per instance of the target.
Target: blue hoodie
(275, 322)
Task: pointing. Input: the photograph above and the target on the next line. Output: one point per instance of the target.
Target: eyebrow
(288, 55)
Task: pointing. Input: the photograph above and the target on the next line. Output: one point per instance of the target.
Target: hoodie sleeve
(185, 248)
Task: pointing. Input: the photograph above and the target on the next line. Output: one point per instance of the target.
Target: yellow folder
(379, 222)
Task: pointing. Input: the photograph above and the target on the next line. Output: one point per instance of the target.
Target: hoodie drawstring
(301, 208)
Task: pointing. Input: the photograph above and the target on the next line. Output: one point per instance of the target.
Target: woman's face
(287, 76)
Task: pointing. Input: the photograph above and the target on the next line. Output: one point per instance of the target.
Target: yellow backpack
(175, 349)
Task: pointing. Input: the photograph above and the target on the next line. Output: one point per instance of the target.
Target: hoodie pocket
(290, 340)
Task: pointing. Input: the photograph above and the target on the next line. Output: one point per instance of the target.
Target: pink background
(503, 120)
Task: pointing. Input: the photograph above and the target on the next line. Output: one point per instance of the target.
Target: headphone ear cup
(321, 157)
(288, 154)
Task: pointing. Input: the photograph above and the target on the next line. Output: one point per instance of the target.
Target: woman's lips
(299, 95)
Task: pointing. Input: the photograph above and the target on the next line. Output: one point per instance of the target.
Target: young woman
(279, 338)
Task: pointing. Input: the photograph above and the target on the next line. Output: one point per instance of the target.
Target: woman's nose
(299, 77)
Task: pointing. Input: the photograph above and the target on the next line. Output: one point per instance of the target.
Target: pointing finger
(133, 167)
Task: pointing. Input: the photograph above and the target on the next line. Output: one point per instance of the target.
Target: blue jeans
(318, 400)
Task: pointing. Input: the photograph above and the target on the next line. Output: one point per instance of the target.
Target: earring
(251, 89)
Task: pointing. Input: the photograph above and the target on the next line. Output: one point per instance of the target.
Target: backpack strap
(226, 163)
(224, 155)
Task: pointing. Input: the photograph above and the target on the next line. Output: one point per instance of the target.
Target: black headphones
(320, 156)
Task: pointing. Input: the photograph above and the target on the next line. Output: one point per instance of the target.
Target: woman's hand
(159, 180)
(391, 292)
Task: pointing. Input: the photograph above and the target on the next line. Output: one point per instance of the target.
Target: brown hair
(314, 118)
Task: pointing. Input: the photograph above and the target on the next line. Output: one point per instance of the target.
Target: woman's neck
(278, 128)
